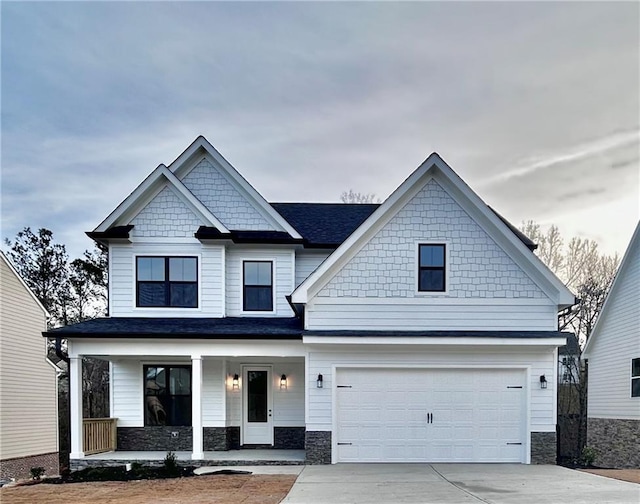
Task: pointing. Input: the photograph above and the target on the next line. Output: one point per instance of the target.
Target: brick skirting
(20, 467)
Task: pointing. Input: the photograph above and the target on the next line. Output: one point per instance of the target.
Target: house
(569, 362)
(421, 329)
(28, 382)
(613, 357)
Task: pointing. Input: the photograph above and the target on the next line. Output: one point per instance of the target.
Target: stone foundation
(544, 448)
(221, 438)
(20, 468)
(318, 447)
(155, 438)
(78, 464)
(617, 442)
(288, 438)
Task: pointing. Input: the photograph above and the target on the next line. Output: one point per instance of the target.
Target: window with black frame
(167, 395)
(167, 282)
(635, 377)
(431, 268)
(257, 285)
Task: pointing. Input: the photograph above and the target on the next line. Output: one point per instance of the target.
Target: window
(635, 377)
(258, 286)
(167, 395)
(167, 282)
(431, 268)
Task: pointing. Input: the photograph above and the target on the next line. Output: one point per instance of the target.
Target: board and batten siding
(542, 410)
(378, 287)
(28, 392)
(283, 278)
(307, 262)
(616, 342)
(122, 268)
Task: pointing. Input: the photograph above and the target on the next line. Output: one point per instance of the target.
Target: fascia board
(194, 202)
(506, 239)
(363, 233)
(464, 342)
(244, 185)
(24, 284)
(624, 265)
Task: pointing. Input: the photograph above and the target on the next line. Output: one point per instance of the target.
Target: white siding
(223, 198)
(123, 278)
(213, 393)
(28, 393)
(541, 406)
(288, 405)
(615, 344)
(307, 262)
(127, 393)
(283, 277)
(426, 314)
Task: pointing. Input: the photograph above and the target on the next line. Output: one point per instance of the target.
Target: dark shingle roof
(147, 327)
(325, 224)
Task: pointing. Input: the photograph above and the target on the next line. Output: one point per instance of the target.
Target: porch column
(75, 404)
(196, 407)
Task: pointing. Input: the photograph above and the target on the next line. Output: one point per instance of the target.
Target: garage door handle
(514, 443)
(342, 444)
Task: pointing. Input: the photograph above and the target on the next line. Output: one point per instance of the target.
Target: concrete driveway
(456, 483)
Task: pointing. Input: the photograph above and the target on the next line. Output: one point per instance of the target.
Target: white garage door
(430, 415)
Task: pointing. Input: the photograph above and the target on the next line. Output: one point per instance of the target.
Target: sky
(535, 105)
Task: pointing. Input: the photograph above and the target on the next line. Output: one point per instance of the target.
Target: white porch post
(75, 403)
(196, 407)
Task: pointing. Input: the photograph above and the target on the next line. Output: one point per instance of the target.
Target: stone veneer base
(317, 445)
(20, 467)
(155, 438)
(616, 441)
(78, 464)
(544, 448)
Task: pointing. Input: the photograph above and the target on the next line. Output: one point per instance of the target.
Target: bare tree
(357, 197)
(589, 274)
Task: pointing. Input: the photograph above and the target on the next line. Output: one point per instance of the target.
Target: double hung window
(167, 282)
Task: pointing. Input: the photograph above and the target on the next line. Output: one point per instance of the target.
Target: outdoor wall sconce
(236, 382)
(319, 381)
(283, 382)
(543, 382)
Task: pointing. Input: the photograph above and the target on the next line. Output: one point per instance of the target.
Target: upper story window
(167, 282)
(431, 267)
(257, 286)
(167, 395)
(635, 377)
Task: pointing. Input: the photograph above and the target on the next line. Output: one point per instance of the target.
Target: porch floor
(230, 457)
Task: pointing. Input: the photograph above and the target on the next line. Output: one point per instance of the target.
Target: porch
(244, 457)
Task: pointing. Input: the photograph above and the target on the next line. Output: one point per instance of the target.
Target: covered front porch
(229, 402)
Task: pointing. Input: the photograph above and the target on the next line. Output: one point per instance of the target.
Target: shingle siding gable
(386, 265)
(166, 215)
(223, 199)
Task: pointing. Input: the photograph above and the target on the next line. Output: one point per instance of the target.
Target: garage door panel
(384, 415)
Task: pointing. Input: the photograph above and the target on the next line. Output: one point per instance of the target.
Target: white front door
(257, 408)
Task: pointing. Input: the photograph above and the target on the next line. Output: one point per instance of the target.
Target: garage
(430, 415)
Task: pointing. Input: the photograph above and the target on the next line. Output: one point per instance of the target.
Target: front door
(257, 411)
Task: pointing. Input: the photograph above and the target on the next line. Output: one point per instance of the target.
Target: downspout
(59, 352)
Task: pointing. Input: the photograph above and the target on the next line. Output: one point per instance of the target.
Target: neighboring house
(569, 362)
(421, 329)
(28, 382)
(613, 357)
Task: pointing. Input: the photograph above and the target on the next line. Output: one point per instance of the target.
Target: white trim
(526, 454)
(431, 341)
(624, 264)
(196, 408)
(434, 167)
(416, 268)
(223, 281)
(316, 301)
(202, 144)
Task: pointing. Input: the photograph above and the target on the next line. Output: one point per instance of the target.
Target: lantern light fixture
(236, 382)
(543, 382)
(283, 382)
(319, 381)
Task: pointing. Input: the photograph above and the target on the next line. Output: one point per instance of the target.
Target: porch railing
(99, 435)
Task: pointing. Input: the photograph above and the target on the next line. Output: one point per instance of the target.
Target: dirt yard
(632, 475)
(227, 489)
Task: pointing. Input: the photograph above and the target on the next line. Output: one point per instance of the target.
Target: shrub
(171, 464)
(588, 456)
(36, 472)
